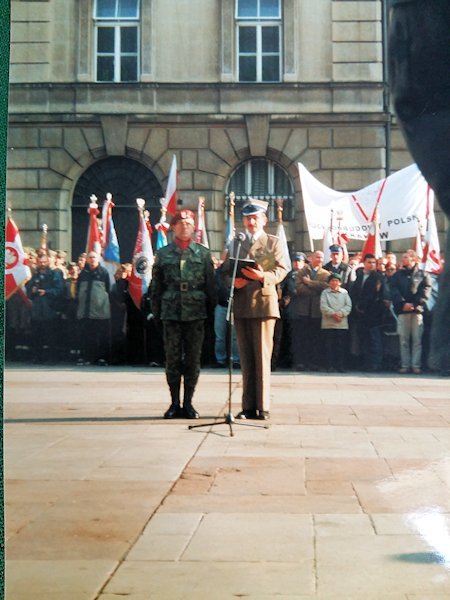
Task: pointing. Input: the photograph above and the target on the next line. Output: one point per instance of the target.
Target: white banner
(401, 200)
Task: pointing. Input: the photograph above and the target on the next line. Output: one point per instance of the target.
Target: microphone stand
(228, 417)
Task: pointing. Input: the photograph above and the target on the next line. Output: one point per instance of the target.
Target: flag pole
(44, 237)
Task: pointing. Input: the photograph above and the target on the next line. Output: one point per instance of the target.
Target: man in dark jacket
(44, 289)
(370, 301)
(183, 296)
(410, 290)
(337, 266)
(94, 311)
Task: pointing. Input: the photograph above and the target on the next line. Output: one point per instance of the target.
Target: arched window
(126, 180)
(263, 179)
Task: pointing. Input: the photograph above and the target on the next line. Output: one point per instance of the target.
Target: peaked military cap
(254, 207)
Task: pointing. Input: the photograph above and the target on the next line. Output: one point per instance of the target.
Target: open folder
(242, 263)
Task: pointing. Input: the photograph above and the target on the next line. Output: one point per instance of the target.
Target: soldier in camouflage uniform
(183, 294)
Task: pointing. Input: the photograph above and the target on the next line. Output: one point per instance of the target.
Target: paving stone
(345, 496)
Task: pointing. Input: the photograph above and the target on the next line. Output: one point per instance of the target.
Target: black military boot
(174, 410)
(189, 411)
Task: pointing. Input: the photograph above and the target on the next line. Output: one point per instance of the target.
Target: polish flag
(17, 272)
(372, 244)
(430, 259)
(169, 202)
(94, 238)
(143, 259)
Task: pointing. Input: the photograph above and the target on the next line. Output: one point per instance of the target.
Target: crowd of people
(362, 313)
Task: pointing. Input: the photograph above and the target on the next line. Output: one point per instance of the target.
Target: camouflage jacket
(183, 283)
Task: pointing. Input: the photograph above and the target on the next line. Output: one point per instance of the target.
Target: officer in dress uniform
(256, 307)
(183, 295)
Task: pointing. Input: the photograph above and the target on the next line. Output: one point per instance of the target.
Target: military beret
(334, 276)
(183, 215)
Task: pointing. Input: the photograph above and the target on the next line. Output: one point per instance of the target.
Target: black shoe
(246, 414)
(236, 365)
(219, 365)
(263, 415)
(173, 412)
(189, 412)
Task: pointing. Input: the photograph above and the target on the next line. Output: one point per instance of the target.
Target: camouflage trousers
(183, 341)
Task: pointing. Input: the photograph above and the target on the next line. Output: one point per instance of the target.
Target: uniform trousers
(183, 342)
(255, 341)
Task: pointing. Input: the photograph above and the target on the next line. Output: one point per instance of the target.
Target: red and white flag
(201, 236)
(372, 244)
(143, 259)
(430, 259)
(169, 202)
(17, 271)
(94, 238)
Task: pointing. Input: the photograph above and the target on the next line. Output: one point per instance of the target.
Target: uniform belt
(185, 286)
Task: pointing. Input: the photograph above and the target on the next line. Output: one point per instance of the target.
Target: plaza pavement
(345, 496)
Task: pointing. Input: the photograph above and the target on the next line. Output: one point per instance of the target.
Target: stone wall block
(352, 52)
(115, 134)
(203, 181)
(296, 144)
(238, 138)
(25, 220)
(211, 163)
(50, 218)
(75, 142)
(189, 159)
(22, 179)
(400, 159)
(220, 143)
(345, 100)
(51, 179)
(188, 137)
(370, 71)
(356, 31)
(34, 199)
(185, 182)
(157, 145)
(311, 160)
(351, 137)
(351, 180)
(358, 158)
(358, 10)
(319, 137)
(94, 138)
(51, 137)
(278, 137)
(397, 139)
(30, 158)
(257, 133)
(61, 161)
(137, 138)
(23, 137)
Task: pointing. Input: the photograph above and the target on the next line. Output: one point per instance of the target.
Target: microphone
(241, 236)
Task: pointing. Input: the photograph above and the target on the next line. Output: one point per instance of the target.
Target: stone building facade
(104, 92)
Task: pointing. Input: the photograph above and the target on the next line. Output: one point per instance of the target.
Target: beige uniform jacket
(258, 300)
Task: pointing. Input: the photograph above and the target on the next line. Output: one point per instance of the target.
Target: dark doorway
(126, 180)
